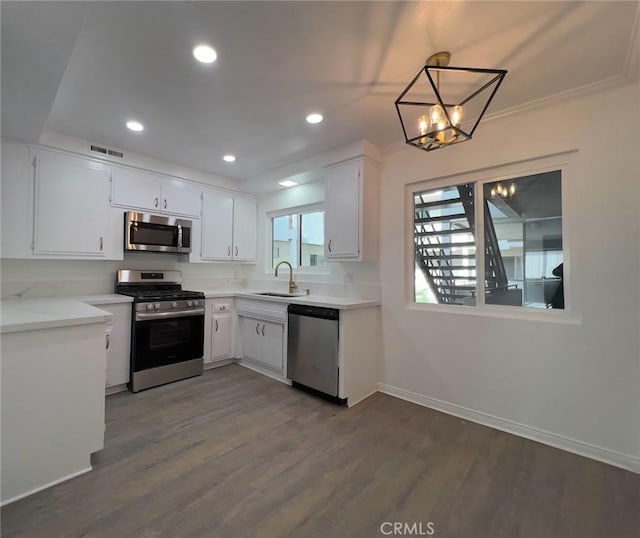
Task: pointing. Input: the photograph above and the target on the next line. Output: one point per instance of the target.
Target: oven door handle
(142, 316)
(179, 237)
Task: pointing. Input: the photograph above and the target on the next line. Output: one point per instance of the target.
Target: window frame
(297, 210)
(511, 171)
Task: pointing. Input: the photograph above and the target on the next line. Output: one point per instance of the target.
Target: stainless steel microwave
(156, 233)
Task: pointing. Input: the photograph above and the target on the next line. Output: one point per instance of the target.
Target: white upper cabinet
(17, 201)
(245, 228)
(217, 225)
(351, 211)
(71, 206)
(229, 226)
(134, 189)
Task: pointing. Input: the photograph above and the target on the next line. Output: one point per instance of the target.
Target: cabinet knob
(236, 250)
(263, 329)
(228, 251)
(108, 341)
(101, 243)
(258, 329)
(329, 245)
(216, 325)
(156, 202)
(165, 204)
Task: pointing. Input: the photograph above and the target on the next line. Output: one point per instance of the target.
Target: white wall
(574, 384)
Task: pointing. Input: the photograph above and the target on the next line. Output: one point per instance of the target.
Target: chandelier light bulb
(512, 189)
(436, 113)
(456, 115)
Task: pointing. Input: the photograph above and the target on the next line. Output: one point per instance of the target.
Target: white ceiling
(83, 69)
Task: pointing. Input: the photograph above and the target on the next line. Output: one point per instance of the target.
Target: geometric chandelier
(440, 108)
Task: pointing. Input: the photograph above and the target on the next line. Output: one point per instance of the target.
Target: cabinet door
(217, 222)
(250, 338)
(342, 211)
(209, 324)
(221, 337)
(71, 206)
(272, 344)
(118, 344)
(245, 228)
(180, 198)
(17, 201)
(134, 189)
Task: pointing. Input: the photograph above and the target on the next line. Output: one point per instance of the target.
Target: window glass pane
(445, 252)
(285, 240)
(312, 239)
(523, 241)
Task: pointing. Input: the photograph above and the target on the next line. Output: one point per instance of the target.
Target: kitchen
(573, 389)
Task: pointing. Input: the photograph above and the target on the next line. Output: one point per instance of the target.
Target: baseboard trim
(45, 486)
(605, 455)
(278, 377)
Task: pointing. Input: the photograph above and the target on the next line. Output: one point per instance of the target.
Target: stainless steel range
(167, 332)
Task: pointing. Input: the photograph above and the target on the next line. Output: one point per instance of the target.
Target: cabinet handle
(329, 245)
(258, 329)
(228, 251)
(236, 250)
(108, 341)
(165, 204)
(101, 243)
(263, 329)
(216, 325)
(156, 202)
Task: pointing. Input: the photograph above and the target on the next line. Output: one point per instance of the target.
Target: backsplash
(59, 278)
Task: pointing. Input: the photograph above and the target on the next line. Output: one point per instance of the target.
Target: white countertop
(328, 301)
(30, 314)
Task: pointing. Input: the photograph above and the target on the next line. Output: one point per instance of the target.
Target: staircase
(445, 248)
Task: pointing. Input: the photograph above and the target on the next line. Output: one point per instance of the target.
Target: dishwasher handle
(314, 311)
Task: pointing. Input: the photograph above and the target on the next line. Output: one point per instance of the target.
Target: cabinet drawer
(222, 307)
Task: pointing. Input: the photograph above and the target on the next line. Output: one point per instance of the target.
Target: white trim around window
(571, 314)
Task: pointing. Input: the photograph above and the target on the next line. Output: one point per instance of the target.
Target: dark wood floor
(234, 454)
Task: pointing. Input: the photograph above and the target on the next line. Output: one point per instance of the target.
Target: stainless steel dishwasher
(312, 350)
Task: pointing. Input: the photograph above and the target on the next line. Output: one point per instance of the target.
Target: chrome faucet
(292, 285)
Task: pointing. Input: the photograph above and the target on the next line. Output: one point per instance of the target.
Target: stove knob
(174, 304)
(189, 303)
(156, 306)
(149, 306)
(196, 303)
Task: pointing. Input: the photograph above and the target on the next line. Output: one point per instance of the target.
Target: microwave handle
(179, 237)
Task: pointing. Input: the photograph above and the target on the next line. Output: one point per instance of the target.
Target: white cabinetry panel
(118, 344)
(135, 189)
(217, 225)
(71, 205)
(352, 211)
(245, 228)
(229, 226)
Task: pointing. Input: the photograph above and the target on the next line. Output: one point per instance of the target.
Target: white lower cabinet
(218, 334)
(262, 334)
(118, 345)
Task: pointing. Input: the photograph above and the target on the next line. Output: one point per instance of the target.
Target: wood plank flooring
(236, 454)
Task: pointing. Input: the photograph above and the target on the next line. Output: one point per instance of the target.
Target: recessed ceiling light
(134, 125)
(287, 183)
(314, 118)
(229, 158)
(205, 54)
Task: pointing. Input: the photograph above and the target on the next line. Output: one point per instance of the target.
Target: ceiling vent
(107, 151)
